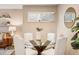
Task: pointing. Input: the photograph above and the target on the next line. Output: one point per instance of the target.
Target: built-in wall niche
(4, 28)
(41, 16)
(4, 19)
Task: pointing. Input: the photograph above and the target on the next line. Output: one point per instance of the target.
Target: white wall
(61, 29)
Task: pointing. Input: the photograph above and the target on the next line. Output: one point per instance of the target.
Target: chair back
(51, 37)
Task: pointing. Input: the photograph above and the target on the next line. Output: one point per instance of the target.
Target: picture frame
(40, 16)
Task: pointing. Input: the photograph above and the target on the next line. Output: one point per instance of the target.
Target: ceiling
(11, 6)
(18, 6)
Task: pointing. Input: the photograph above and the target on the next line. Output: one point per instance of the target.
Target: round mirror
(69, 17)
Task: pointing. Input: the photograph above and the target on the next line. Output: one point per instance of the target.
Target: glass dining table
(40, 48)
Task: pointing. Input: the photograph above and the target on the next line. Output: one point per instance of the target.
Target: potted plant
(75, 43)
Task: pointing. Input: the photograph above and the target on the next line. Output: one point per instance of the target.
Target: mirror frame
(74, 19)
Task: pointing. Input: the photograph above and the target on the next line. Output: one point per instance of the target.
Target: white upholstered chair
(27, 38)
(51, 37)
(28, 45)
(50, 48)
